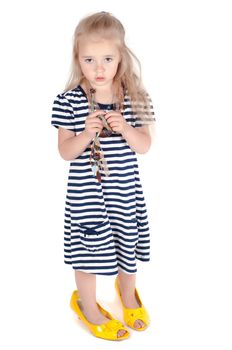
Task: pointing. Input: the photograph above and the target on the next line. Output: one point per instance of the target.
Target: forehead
(97, 46)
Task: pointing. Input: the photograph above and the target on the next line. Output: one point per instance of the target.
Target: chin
(101, 83)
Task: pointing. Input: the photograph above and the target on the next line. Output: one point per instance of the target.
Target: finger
(94, 120)
(114, 124)
(112, 119)
(112, 113)
(96, 114)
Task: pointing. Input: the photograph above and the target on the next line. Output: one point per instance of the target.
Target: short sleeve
(148, 115)
(62, 113)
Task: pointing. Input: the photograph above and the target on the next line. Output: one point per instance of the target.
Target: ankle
(89, 308)
(94, 315)
(129, 300)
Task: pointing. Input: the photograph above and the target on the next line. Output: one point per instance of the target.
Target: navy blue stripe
(98, 261)
(81, 253)
(79, 205)
(87, 217)
(116, 213)
(120, 200)
(128, 207)
(60, 123)
(89, 210)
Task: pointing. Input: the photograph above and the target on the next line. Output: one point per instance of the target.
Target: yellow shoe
(108, 330)
(131, 315)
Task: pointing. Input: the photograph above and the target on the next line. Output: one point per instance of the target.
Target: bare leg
(86, 285)
(127, 288)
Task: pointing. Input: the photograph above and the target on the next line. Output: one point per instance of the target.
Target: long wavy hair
(128, 76)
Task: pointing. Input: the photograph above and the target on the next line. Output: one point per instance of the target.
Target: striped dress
(105, 224)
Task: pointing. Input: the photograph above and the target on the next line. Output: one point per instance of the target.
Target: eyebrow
(93, 56)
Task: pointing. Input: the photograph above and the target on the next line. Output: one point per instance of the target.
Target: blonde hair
(106, 26)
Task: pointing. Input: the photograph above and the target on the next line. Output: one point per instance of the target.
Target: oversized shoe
(108, 330)
(131, 315)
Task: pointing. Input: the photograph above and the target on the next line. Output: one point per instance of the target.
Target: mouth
(100, 78)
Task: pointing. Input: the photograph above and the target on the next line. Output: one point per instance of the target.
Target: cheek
(114, 69)
(86, 70)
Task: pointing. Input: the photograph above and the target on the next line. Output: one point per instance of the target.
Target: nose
(99, 67)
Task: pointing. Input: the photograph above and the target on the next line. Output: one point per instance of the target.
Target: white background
(185, 51)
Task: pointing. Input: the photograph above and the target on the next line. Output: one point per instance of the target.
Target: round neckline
(105, 105)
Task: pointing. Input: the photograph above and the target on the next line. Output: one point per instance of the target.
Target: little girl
(103, 119)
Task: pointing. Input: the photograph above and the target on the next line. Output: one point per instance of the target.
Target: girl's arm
(139, 139)
(70, 145)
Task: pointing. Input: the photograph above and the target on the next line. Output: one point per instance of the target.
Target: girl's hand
(116, 121)
(93, 124)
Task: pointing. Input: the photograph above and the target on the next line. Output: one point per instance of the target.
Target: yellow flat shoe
(108, 330)
(131, 315)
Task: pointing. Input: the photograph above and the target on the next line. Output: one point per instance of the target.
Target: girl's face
(99, 61)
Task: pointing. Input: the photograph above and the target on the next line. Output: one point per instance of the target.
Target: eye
(109, 59)
(88, 60)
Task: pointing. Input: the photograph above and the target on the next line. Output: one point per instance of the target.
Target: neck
(105, 97)
(103, 94)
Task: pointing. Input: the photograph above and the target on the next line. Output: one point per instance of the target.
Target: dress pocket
(95, 237)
